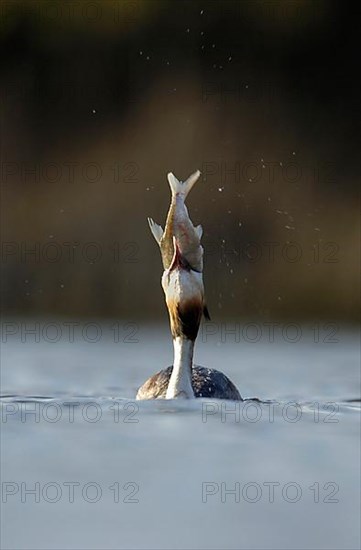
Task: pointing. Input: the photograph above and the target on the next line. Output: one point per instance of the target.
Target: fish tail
(182, 188)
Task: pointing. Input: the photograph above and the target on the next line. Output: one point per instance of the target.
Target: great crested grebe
(182, 282)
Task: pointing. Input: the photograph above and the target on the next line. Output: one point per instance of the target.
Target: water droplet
(213, 45)
(51, 236)
(220, 189)
(188, 30)
(140, 53)
(26, 281)
(202, 12)
(93, 111)
(61, 286)
(293, 152)
(230, 58)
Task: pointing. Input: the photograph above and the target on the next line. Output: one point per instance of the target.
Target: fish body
(179, 227)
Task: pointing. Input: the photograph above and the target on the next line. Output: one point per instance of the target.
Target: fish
(179, 227)
(182, 258)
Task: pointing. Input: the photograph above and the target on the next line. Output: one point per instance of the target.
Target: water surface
(278, 471)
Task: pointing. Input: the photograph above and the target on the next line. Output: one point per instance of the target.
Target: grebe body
(207, 383)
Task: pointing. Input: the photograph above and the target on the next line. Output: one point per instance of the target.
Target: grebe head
(183, 289)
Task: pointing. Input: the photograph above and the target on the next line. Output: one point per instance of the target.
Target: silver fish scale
(179, 225)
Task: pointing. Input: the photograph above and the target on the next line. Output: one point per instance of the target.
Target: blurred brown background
(101, 99)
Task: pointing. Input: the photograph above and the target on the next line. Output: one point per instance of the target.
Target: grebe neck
(180, 383)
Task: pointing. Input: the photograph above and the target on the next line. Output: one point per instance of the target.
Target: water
(281, 472)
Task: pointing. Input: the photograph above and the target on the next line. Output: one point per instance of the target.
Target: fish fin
(182, 187)
(157, 230)
(206, 312)
(199, 231)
